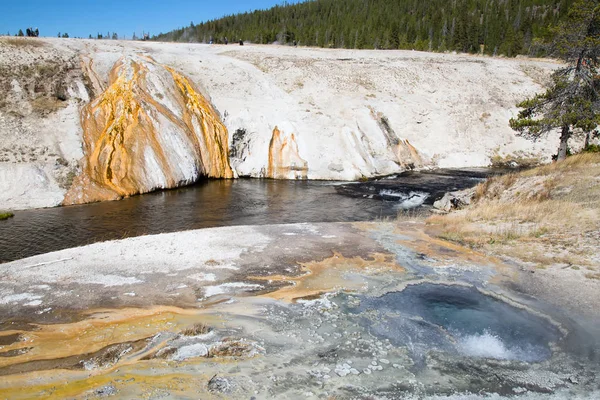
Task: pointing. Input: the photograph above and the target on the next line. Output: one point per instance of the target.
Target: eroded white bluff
(151, 128)
(139, 116)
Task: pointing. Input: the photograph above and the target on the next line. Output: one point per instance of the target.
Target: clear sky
(80, 18)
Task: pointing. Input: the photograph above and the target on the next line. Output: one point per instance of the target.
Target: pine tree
(20, 33)
(572, 101)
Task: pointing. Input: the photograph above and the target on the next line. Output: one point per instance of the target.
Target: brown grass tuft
(579, 161)
(482, 189)
(21, 42)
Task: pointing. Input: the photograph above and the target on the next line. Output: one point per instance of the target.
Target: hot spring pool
(462, 320)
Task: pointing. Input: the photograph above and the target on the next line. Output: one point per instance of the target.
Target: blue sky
(84, 17)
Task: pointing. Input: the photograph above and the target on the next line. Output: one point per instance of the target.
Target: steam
(488, 345)
(485, 345)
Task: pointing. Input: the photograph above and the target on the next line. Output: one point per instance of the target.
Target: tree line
(115, 36)
(30, 32)
(494, 27)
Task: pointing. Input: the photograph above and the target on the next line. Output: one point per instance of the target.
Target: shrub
(592, 148)
(6, 215)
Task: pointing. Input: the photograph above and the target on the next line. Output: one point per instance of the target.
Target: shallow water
(462, 320)
(216, 203)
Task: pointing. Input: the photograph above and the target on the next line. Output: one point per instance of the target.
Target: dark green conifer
(571, 102)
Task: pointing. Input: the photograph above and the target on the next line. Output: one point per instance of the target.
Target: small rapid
(406, 201)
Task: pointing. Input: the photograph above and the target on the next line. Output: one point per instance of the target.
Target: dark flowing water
(222, 203)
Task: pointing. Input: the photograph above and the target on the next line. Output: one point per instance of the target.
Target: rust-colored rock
(284, 159)
(406, 154)
(150, 129)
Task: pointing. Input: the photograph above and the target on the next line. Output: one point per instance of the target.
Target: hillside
(118, 118)
(506, 27)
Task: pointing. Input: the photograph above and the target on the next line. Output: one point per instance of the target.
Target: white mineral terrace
(289, 113)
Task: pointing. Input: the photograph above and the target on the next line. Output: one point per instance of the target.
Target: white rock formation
(149, 129)
(290, 112)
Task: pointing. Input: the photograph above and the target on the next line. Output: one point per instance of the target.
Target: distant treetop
(507, 27)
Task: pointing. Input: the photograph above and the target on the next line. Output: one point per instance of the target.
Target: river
(214, 203)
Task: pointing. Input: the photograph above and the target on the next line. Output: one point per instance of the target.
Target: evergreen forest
(494, 27)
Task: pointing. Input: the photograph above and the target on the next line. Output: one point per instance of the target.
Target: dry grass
(21, 42)
(412, 214)
(48, 104)
(546, 215)
(509, 161)
(580, 161)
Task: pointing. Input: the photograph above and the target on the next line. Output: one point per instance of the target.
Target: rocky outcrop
(406, 155)
(284, 158)
(454, 200)
(150, 129)
(42, 89)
